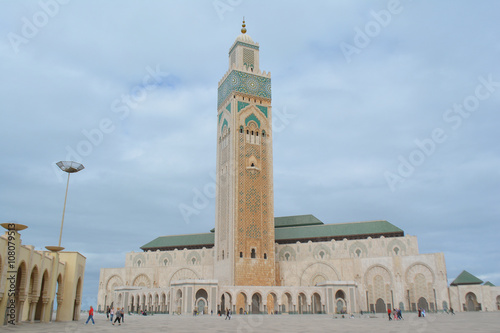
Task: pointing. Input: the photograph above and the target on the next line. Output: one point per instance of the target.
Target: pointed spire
(243, 29)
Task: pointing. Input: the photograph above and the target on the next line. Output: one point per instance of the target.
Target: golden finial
(243, 29)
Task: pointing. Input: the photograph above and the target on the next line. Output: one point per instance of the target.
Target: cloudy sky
(382, 110)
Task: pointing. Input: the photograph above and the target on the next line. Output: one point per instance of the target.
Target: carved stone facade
(314, 277)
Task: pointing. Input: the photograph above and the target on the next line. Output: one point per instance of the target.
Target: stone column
(34, 301)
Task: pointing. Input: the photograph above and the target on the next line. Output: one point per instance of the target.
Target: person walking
(91, 316)
(107, 313)
(122, 315)
(111, 314)
(389, 314)
(118, 316)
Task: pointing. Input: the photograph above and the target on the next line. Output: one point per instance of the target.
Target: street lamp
(69, 167)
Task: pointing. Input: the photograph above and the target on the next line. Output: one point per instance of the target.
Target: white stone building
(253, 262)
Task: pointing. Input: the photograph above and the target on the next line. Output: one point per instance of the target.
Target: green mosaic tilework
(242, 105)
(263, 109)
(224, 123)
(228, 107)
(246, 83)
(220, 116)
(250, 118)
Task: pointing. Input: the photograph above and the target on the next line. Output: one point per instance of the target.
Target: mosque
(254, 262)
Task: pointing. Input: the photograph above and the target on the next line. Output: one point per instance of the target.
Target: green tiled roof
(288, 229)
(488, 283)
(181, 241)
(297, 220)
(337, 231)
(466, 278)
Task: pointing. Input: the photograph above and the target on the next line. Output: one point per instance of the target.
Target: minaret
(244, 218)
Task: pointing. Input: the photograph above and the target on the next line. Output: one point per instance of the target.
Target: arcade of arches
(48, 284)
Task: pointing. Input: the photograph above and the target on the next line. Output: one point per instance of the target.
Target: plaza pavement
(461, 322)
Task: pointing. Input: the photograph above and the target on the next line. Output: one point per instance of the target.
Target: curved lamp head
(70, 166)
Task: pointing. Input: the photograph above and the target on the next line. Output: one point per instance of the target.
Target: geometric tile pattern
(263, 109)
(246, 83)
(242, 105)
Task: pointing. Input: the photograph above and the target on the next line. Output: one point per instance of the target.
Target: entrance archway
(471, 302)
(286, 303)
(201, 306)
(241, 303)
(340, 301)
(422, 304)
(256, 303)
(202, 295)
(380, 306)
(316, 303)
(272, 303)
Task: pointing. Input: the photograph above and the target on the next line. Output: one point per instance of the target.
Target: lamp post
(69, 167)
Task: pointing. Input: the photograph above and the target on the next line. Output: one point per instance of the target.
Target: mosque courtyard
(461, 322)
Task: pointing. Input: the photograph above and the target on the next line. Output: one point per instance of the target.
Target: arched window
(265, 255)
(252, 254)
(139, 263)
(222, 254)
(165, 262)
(241, 254)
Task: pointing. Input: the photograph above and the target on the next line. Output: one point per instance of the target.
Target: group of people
(396, 314)
(118, 314)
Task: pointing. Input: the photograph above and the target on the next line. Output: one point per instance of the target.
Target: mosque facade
(254, 262)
